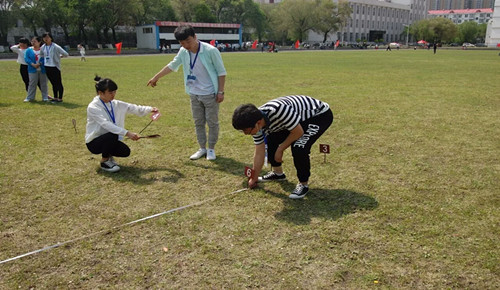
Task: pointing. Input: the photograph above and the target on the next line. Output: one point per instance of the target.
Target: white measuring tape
(120, 226)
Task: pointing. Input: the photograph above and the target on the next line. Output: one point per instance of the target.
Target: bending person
(293, 121)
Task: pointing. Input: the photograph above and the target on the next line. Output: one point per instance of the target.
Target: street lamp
(407, 32)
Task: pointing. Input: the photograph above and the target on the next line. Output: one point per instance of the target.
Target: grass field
(408, 197)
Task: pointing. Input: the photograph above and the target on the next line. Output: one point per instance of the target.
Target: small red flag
(498, 44)
(212, 42)
(337, 43)
(254, 44)
(297, 44)
(118, 47)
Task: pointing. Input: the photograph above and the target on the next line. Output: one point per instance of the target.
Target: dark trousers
(301, 148)
(54, 76)
(23, 70)
(108, 145)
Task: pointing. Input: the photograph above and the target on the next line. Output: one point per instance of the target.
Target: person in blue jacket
(36, 71)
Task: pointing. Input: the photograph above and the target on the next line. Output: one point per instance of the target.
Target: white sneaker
(198, 154)
(112, 160)
(27, 100)
(211, 154)
(109, 166)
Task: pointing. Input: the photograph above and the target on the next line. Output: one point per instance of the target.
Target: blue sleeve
(27, 56)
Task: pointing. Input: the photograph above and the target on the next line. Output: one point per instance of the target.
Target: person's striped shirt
(285, 113)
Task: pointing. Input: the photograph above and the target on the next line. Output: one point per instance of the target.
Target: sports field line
(121, 226)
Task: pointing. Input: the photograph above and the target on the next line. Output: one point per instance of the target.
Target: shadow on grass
(223, 164)
(140, 176)
(64, 104)
(67, 105)
(322, 203)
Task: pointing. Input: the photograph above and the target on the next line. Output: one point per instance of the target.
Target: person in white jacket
(52, 53)
(106, 122)
(20, 49)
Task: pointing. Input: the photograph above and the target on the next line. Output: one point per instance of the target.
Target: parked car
(466, 44)
(481, 45)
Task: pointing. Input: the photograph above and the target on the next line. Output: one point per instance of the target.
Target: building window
(147, 30)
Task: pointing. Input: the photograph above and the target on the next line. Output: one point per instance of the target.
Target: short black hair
(182, 32)
(49, 35)
(24, 40)
(246, 116)
(101, 85)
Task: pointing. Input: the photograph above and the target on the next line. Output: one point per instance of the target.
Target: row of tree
(443, 30)
(96, 21)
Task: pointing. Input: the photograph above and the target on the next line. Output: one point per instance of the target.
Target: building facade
(463, 15)
(493, 29)
(161, 33)
(460, 4)
(378, 20)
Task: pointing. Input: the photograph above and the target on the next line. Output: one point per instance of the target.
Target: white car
(466, 44)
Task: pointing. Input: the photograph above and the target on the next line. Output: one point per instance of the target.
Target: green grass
(408, 198)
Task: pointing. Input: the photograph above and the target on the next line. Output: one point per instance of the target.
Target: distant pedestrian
(20, 49)
(81, 49)
(388, 47)
(435, 47)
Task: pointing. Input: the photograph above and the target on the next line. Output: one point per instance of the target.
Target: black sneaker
(109, 166)
(299, 192)
(272, 176)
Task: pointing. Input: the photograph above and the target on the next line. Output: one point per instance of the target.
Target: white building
(372, 20)
(161, 33)
(493, 30)
(375, 20)
(463, 15)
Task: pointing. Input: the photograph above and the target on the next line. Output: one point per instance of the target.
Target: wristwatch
(220, 93)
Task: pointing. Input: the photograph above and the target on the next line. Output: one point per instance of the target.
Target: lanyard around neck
(110, 113)
(191, 64)
(47, 49)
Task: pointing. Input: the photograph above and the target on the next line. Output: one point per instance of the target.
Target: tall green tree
(31, 14)
(468, 31)
(203, 13)
(330, 17)
(255, 21)
(7, 18)
(421, 30)
(149, 11)
(443, 29)
(297, 17)
(185, 9)
(81, 14)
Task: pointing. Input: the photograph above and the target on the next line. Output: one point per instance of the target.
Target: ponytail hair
(101, 85)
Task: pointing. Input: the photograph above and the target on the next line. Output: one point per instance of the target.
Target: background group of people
(295, 121)
(39, 62)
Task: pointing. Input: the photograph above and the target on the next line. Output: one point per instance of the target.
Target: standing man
(296, 121)
(204, 80)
